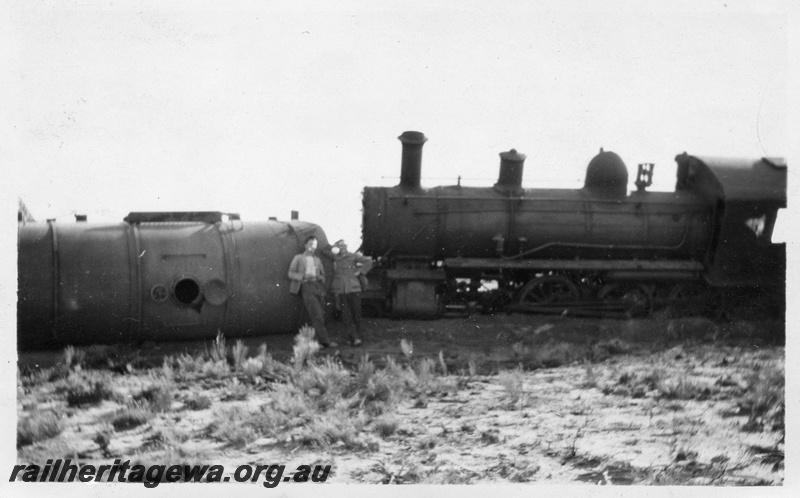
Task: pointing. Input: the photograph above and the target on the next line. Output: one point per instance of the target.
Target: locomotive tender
(157, 276)
(598, 250)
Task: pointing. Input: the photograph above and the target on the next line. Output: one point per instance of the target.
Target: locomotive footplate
(544, 265)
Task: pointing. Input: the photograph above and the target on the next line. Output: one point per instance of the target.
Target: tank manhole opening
(187, 291)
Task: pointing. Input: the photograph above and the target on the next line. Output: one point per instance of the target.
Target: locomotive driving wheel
(634, 298)
(549, 289)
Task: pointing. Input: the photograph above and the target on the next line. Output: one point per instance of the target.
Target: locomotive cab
(747, 196)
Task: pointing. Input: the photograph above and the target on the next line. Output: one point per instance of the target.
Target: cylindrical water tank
(167, 277)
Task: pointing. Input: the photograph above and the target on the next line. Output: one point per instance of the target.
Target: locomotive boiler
(157, 276)
(594, 250)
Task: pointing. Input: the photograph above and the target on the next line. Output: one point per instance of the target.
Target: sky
(262, 108)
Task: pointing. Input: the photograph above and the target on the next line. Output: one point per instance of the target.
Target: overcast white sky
(265, 107)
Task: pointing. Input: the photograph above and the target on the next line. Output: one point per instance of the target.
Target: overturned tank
(157, 276)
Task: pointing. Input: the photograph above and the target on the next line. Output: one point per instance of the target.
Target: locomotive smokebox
(511, 165)
(607, 175)
(411, 165)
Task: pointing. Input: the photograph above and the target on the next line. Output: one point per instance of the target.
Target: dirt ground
(508, 398)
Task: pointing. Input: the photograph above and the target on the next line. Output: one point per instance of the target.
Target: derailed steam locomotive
(594, 251)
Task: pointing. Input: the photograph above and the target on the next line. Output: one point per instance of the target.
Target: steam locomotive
(596, 251)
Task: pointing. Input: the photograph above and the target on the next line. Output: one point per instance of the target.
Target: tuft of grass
(103, 439)
(239, 353)
(218, 350)
(131, 416)
(764, 398)
(407, 473)
(364, 371)
(187, 364)
(446, 476)
(82, 391)
(331, 429)
(38, 426)
(425, 374)
(236, 435)
(232, 425)
(513, 383)
(72, 357)
(236, 392)
(215, 369)
(305, 347)
(198, 401)
(473, 364)
(683, 388)
(252, 367)
(392, 368)
(325, 382)
(270, 367)
(590, 376)
(157, 398)
(386, 425)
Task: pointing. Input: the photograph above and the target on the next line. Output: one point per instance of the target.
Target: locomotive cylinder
(171, 279)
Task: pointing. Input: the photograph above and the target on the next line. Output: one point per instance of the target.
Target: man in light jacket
(349, 278)
(307, 277)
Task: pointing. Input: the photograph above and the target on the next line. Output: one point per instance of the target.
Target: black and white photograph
(304, 247)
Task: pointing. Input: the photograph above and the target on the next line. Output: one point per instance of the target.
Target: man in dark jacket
(349, 279)
(307, 277)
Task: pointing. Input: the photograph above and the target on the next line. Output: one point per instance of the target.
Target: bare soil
(514, 398)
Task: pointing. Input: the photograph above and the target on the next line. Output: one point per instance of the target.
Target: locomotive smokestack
(511, 165)
(411, 165)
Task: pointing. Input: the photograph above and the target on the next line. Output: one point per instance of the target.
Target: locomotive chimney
(412, 158)
(511, 164)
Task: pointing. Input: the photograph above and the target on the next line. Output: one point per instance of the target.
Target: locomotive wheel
(549, 289)
(636, 297)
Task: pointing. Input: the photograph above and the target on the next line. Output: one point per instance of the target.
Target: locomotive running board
(573, 264)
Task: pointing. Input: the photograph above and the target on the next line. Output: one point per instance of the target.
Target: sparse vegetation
(239, 354)
(763, 398)
(81, 390)
(157, 397)
(38, 426)
(198, 402)
(409, 404)
(386, 426)
(218, 351)
(305, 347)
(513, 381)
(131, 416)
(103, 438)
